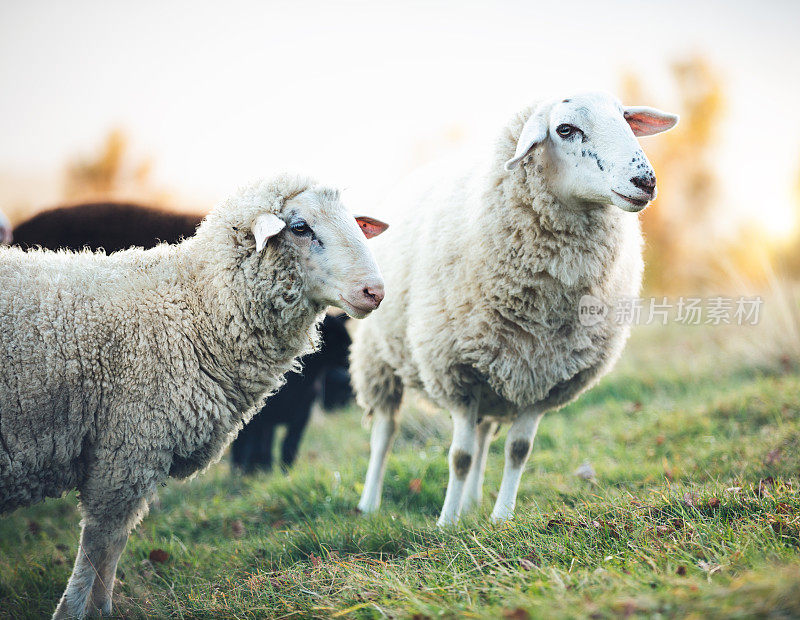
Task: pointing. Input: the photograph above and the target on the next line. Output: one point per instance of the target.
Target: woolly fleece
(119, 371)
(483, 280)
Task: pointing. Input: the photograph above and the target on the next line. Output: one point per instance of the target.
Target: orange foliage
(110, 175)
(680, 226)
(789, 254)
(686, 246)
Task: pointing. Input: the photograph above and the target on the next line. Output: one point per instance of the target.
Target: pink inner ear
(644, 124)
(371, 226)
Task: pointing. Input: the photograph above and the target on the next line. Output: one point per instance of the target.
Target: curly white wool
(122, 370)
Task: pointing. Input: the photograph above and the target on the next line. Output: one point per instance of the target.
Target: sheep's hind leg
(384, 431)
(294, 433)
(474, 485)
(261, 457)
(460, 458)
(518, 448)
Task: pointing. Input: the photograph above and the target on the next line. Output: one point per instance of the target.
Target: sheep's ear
(646, 121)
(266, 225)
(371, 226)
(533, 132)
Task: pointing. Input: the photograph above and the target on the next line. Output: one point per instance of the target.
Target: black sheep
(324, 376)
(116, 226)
(109, 225)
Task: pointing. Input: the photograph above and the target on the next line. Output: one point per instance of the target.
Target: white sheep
(5, 229)
(485, 278)
(120, 371)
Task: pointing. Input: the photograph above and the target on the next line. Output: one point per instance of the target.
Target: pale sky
(355, 92)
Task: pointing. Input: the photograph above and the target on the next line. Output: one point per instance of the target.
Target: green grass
(695, 511)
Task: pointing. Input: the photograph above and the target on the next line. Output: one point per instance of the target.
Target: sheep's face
(590, 150)
(330, 245)
(5, 229)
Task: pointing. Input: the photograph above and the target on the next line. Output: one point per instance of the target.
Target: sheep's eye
(565, 130)
(300, 228)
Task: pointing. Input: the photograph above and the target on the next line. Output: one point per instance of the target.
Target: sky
(358, 93)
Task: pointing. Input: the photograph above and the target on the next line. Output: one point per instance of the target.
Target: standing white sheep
(486, 274)
(120, 371)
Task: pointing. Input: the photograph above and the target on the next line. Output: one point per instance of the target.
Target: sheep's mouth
(637, 202)
(357, 312)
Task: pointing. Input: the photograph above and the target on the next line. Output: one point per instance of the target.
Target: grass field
(694, 511)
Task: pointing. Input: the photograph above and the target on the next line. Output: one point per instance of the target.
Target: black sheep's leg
(294, 434)
(263, 451)
(238, 451)
(242, 449)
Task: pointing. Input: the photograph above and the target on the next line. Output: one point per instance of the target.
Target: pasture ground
(694, 511)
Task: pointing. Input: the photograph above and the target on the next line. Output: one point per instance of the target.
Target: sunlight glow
(361, 93)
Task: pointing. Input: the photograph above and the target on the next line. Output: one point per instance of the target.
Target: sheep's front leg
(518, 448)
(474, 485)
(460, 458)
(94, 572)
(384, 431)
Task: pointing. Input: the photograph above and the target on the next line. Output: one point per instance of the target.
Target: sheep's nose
(373, 294)
(645, 182)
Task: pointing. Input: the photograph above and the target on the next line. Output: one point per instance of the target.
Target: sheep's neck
(250, 345)
(540, 242)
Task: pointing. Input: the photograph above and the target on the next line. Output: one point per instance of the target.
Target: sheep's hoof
(62, 613)
(365, 509)
(500, 518)
(446, 522)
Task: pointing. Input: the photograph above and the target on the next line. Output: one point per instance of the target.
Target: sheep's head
(5, 229)
(330, 245)
(590, 152)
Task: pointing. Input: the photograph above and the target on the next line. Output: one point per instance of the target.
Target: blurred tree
(110, 175)
(789, 254)
(795, 243)
(99, 175)
(680, 225)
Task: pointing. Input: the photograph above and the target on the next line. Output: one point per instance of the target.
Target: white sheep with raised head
(485, 276)
(122, 370)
